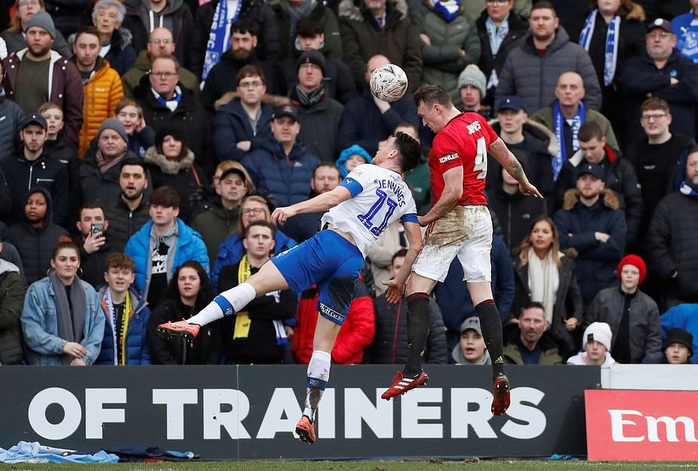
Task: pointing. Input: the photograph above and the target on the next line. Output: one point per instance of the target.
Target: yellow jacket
(102, 92)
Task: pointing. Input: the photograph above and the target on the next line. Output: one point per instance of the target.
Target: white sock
(225, 304)
(318, 376)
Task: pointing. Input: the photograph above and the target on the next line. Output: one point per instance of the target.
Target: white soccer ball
(388, 82)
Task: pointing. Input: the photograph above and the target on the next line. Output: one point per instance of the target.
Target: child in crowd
(678, 347)
(126, 314)
(471, 349)
(351, 157)
(55, 145)
(597, 345)
(140, 136)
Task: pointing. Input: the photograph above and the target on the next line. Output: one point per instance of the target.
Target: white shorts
(464, 232)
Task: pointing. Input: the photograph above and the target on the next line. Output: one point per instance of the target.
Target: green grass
(434, 465)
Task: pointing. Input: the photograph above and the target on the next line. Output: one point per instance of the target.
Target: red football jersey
(462, 142)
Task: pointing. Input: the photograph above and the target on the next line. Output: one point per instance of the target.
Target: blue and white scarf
(686, 189)
(612, 40)
(559, 129)
(216, 44)
(496, 35)
(447, 9)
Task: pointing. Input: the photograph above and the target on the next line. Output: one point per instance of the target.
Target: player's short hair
(588, 131)
(399, 254)
(409, 151)
(656, 104)
(262, 223)
(432, 95)
(119, 260)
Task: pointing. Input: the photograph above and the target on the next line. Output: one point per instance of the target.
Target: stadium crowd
(144, 145)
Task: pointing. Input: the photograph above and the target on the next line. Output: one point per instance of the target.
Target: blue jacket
(287, 178)
(231, 252)
(190, 246)
(136, 346)
(231, 125)
(683, 316)
(40, 325)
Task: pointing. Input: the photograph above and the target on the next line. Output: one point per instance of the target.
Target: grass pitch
(433, 465)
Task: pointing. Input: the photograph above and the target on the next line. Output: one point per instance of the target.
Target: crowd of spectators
(145, 143)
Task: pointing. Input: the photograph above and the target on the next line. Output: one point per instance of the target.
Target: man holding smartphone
(94, 248)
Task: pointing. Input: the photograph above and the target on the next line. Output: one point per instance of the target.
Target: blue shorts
(329, 261)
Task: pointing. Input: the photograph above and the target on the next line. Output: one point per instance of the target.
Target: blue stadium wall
(249, 412)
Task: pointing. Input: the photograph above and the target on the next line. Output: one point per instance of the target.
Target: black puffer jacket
(11, 115)
(35, 245)
(672, 251)
(123, 222)
(11, 303)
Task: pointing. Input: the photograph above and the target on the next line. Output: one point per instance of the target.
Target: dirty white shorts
(464, 232)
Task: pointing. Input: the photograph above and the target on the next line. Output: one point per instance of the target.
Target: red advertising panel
(642, 425)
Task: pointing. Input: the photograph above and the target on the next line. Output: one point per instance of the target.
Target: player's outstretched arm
(503, 155)
(396, 286)
(321, 202)
(453, 190)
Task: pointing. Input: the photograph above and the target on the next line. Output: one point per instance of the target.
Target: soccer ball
(388, 82)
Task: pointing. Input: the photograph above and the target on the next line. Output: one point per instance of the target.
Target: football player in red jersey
(459, 225)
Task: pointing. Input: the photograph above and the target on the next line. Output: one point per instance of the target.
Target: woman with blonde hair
(544, 274)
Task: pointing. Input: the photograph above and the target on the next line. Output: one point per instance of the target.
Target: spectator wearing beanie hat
(678, 347)
(683, 316)
(318, 113)
(171, 163)
(596, 345)
(472, 86)
(97, 178)
(632, 315)
(14, 36)
(48, 76)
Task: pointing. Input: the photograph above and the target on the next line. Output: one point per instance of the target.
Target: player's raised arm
(503, 155)
(321, 202)
(396, 286)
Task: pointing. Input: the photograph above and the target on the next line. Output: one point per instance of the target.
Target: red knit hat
(635, 261)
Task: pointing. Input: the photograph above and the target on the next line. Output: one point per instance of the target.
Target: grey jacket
(533, 77)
